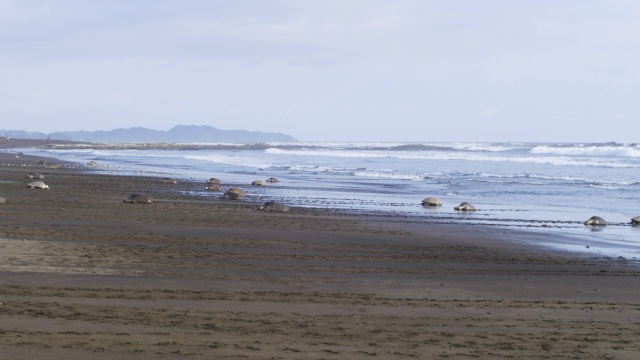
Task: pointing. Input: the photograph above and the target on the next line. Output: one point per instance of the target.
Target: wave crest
(597, 150)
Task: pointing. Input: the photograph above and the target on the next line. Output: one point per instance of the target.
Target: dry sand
(84, 275)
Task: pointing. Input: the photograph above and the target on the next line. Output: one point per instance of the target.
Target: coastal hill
(177, 134)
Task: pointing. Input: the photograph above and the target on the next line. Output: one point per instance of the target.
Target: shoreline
(37, 143)
(575, 242)
(199, 277)
(420, 224)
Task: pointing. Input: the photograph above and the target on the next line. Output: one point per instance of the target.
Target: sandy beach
(85, 275)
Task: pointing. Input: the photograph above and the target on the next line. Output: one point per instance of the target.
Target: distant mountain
(178, 134)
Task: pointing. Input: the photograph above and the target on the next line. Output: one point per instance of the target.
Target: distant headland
(177, 134)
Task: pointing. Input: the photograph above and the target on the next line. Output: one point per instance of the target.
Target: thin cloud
(268, 64)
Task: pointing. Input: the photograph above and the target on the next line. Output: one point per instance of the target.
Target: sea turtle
(214, 181)
(138, 198)
(169, 180)
(258, 183)
(272, 180)
(596, 221)
(635, 220)
(234, 195)
(37, 185)
(236, 190)
(34, 175)
(213, 187)
(431, 201)
(465, 206)
(273, 206)
(92, 163)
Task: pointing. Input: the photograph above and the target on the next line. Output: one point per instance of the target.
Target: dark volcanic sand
(84, 275)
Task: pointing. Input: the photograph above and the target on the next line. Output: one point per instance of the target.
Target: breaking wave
(590, 150)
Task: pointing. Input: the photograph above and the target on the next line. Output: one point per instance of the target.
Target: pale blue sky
(402, 70)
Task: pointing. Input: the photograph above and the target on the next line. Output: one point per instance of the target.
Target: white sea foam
(463, 156)
(597, 151)
(231, 160)
(81, 152)
(320, 169)
(532, 176)
(347, 145)
(226, 144)
(387, 175)
(331, 153)
(591, 182)
(488, 147)
(340, 144)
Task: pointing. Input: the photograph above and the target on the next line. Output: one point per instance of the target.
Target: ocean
(542, 188)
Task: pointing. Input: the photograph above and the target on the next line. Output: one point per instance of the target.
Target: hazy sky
(401, 70)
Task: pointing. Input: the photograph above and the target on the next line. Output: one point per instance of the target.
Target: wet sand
(84, 275)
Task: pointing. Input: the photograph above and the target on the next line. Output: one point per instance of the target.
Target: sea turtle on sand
(596, 221)
(169, 180)
(234, 194)
(273, 206)
(258, 183)
(431, 201)
(236, 190)
(465, 206)
(37, 185)
(214, 181)
(34, 175)
(213, 187)
(272, 180)
(635, 220)
(2, 200)
(138, 199)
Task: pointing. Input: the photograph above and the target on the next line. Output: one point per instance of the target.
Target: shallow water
(537, 187)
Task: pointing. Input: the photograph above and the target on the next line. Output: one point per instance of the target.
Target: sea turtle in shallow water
(37, 185)
(213, 187)
(258, 183)
(431, 201)
(465, 206)
(34, 175)
(272, 180)
(169, 180)
(596, 221)
(273, 206)
(138, 199)
(214, 181)
(635, 220)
